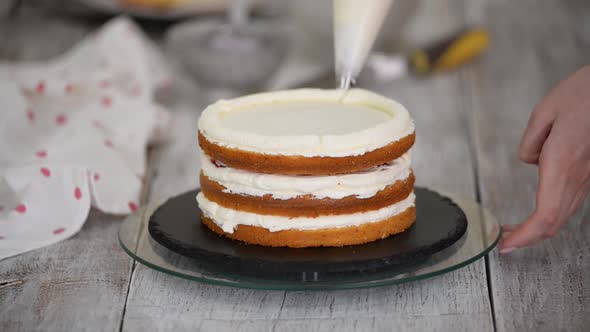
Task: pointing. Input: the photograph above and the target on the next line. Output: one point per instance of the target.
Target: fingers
(507, 231)
(554, 225)
(559, 195)
(558, 140)
(536, 133)
(569, 94)
(580, 197)
(527, 233)
(548, 216)
(509, 228)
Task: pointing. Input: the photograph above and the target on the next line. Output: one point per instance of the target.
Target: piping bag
(356, 26)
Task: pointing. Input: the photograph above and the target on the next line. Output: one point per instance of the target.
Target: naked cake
(307, 168)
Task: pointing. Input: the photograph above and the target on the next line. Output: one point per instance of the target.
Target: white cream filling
(307, 122)
(228, 219)
(361, 185)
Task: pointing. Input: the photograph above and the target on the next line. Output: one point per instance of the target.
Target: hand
(557, 139)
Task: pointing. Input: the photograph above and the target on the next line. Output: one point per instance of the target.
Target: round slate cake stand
(188, 250)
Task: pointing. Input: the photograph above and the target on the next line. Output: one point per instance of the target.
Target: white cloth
(73, 134)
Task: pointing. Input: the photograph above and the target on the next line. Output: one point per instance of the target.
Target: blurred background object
(7, 7)
(149, 10)
(439, 56)
(160, 9)
(315, 27)
(233, 56)
(280, 44)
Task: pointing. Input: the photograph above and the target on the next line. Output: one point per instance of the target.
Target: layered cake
(307, 168)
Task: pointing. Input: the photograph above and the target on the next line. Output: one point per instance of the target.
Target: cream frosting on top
(363, 184)
(305, 118)
(307, 122)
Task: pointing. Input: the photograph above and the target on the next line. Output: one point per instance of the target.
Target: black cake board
(439, 224)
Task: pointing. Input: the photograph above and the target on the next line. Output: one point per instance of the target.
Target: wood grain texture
(78, 284)
(74, 285)
(535, 44)
(455, 301)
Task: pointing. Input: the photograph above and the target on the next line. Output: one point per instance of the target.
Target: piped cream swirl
(361, 185)
(228, 219)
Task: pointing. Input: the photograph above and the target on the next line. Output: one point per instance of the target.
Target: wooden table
(469, 125)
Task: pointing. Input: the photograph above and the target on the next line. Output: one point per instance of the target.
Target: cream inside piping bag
(356, 26)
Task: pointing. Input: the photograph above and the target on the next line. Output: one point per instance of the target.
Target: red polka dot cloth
(74, 133)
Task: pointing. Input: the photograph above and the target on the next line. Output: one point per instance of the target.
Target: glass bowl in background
(229, 60)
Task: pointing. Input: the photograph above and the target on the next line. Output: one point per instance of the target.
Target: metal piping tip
(346, 81)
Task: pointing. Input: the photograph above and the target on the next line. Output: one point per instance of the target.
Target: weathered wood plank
(81, 283)
(77, 284)
(535, 44)
(456, 301)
